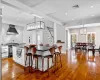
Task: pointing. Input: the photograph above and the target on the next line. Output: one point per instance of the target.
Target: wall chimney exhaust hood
(12, 30)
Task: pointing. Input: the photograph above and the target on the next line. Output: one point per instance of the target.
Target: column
(0, 42)
(55, 33)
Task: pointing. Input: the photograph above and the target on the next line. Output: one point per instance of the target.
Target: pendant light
(83, 30)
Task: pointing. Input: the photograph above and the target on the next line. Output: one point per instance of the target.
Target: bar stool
(35, 56)
(58, 53)
(52, 50)
(42, 57)
(28, 54)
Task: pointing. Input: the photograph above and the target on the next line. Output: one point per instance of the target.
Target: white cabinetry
(18, 55)
(4, 51)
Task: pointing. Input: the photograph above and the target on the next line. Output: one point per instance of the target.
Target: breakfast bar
(19, 57)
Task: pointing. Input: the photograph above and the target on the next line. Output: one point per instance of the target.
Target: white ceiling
(15, 16)
(58, 8)
(55, 9)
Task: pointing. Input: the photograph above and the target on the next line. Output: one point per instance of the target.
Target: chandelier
(35, 25)
(83, 30)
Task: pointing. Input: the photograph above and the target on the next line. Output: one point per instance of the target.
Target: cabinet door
(4, 51)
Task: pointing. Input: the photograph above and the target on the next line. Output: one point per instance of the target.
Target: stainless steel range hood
(12, 30)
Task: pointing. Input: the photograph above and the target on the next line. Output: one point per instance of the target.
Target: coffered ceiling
(57, 8)
(61, 11)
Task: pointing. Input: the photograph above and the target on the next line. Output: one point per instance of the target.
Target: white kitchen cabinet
(4, 51)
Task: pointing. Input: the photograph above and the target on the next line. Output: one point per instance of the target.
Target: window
(91, 37)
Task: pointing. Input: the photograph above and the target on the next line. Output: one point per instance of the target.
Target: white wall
(60, 35)
(82, 38)
(33, 36)
(9, 38)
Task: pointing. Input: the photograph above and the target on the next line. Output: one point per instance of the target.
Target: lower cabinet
(4, 51)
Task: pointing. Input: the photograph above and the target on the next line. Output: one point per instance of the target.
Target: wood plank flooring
(77, 66)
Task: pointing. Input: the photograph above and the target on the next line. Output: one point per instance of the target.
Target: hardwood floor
(77, 66)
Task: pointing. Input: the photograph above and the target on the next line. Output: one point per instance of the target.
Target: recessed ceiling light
(72, 19)
(91, 6)
(66, 13)
(92, 15)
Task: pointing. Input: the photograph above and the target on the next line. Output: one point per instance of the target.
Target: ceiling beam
(20, 6)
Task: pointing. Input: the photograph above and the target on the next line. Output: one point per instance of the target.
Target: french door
(73, 39)
(91, 37)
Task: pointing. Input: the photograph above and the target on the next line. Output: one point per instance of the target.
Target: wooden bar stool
(29, 55)
(35, 56)
(52, 50)
(58, 53)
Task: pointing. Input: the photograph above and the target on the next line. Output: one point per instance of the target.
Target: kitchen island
(19, 57)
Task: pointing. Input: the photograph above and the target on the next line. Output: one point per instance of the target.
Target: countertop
(14, 44)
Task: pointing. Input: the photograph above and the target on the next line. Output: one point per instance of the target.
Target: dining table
(83, 46)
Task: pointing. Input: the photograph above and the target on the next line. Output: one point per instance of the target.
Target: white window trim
(91, 33)
(76, 36)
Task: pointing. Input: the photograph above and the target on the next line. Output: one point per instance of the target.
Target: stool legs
(48, 65)
(56, 59)
(25, 63)
(60, 59)
(42, 64)
(30, 63)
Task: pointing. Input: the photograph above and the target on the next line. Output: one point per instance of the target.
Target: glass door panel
(73, 40)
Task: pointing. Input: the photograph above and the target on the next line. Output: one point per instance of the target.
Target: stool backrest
(60, 48)
(33, 49)
(52, 50)
(32, 45)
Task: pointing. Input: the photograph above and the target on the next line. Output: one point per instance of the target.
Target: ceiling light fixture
(92, 15)
(83, 30)
(91, 6)
(66, 13)
(35, 25)
(72, 19)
